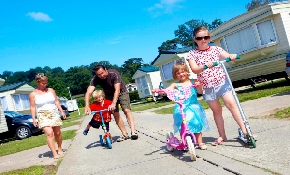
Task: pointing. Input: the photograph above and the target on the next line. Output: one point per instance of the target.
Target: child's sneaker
(122, 138)
(134, 136)
(85, 132)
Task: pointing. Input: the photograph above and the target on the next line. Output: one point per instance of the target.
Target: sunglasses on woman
(202, 37)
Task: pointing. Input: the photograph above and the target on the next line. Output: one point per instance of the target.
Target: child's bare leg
(201, 145)
(218, 118)
(88, 127)
(231, 104)
(198, 137)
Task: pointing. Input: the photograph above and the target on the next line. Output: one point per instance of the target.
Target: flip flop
(217, 142)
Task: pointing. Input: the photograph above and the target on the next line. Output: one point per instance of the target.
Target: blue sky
(63, 33)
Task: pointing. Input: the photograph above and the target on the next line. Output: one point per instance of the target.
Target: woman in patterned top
(213, 80)
(44, 103)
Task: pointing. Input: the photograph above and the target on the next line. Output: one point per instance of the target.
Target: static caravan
(2, 81)
(3, 124)
(165, 61)
(15, 97)
(147, 78)
(261, 36)
(131, 87)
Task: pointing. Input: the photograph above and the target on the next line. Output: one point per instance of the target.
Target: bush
(81, 102)
(134, 95)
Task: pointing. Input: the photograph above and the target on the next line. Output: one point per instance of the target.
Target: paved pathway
(148, 154)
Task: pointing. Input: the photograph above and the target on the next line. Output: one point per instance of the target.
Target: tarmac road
(148, 155)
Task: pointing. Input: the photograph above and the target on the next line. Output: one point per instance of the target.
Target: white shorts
(211, 94)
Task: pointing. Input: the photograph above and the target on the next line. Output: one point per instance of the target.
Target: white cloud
(39, 16)
(116, 40)
(164, 6)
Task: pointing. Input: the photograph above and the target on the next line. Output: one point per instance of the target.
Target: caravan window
(241, 41)
(166, 69)
(266, 32)
(21, 101)
(4, 104)
(250, 38)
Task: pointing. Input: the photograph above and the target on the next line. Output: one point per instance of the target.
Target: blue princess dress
(195, 115)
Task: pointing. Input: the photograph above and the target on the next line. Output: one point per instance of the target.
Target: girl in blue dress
(195, 115)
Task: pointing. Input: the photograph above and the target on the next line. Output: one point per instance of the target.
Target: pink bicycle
(188, 139)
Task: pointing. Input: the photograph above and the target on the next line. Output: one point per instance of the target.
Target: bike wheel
(101, 140)
(169, 135)
(109, 143)
(253, 141)
(191, 148)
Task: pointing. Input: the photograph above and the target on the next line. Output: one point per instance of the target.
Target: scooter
(248, 139)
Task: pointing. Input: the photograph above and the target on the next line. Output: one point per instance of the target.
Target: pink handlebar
(165, 91)
(178, 95)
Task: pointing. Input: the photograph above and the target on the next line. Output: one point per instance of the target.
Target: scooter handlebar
(226, 60)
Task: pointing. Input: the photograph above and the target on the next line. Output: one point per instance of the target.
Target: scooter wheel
(191, 148)
(109, 142)
(101, 140)
(253, 141)
(169, 135)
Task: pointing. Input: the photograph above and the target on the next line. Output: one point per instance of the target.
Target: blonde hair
(177, 66)
(98, 93)
(40, 77)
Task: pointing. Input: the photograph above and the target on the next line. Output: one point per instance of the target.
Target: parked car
(20, 125)
(287, 68)
(65, 111)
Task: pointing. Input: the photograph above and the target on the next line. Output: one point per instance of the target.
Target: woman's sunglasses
(202, 37)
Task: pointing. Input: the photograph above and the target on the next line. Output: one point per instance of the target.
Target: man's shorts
(97, 125)
(123, 100)
(211, 94)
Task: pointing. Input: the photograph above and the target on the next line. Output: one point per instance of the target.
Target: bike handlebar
(104, 110)
(226, 60)
(164, 90)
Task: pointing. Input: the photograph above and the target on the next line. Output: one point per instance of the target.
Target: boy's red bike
(105, 139)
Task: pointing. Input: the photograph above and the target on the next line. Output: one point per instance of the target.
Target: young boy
(100, 103)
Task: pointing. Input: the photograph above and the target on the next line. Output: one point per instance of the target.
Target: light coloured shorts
(123, 100)
(211, 94)
(48, 118)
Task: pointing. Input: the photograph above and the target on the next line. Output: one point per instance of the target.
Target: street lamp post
(69, 92)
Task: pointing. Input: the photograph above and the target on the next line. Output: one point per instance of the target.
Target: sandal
(122, 138)
(202, 146)
(217, 142)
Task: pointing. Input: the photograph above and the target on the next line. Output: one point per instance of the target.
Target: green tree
(78, 79)
(185, 31)
(17, 77)
(130, 67)
(259, 3)
(184, 34)
(169, 44)
(215, 24)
